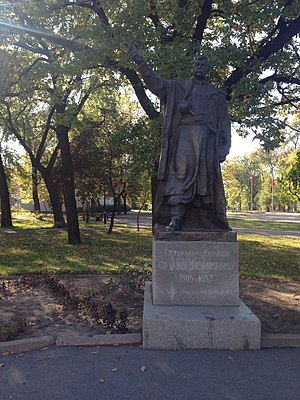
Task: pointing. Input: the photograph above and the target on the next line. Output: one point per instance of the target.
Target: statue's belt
(205, 121)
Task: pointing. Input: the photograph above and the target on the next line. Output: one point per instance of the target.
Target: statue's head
(201, 66)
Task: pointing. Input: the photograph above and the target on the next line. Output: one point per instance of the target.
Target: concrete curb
(22, 345)
(99, 340)
(280, 340)
(133, 339)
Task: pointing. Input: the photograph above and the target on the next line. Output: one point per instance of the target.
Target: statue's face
(201, 67)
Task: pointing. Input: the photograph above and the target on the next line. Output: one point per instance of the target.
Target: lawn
(28, 251)
(46, 250)
(251, 223)
(269, 256)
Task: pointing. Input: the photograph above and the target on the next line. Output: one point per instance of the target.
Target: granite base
(199, 327)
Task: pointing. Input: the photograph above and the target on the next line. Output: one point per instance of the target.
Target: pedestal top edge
(159, 233)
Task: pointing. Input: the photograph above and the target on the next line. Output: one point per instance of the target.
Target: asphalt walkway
(129, 221)
(116, 373)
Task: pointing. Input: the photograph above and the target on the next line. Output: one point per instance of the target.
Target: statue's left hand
(222, 153)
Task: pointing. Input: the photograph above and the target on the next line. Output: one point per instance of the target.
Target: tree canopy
(252, 45)
(65, 68)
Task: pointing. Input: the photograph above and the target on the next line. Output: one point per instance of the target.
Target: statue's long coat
(171, 93)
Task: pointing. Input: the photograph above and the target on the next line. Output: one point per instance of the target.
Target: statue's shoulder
(221, 92)
(216, 90)
(178, 82)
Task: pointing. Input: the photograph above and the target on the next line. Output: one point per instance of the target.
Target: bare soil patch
(96, 304)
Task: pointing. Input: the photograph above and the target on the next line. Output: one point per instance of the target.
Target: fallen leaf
(231, 358)
(2, 365)
(143, 368)
(114, 369)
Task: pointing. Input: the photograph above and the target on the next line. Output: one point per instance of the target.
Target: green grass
(29, 221)
(251, 223)
(269, 256)
(47, 251)
(34, 250)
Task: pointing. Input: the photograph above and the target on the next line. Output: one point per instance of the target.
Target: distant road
(129, 220)
(277, 217)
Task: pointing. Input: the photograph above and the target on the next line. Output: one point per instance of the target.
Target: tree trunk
(4, 197)
(139, 214)
(104, 209)
(86, 211)
(112, 220)
(124, 197)
(118, 206)
(35, 193)
(93, 207)
(68, 184)
(154, 185)
(59, 221)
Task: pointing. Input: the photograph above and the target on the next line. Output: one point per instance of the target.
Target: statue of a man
(196, 138)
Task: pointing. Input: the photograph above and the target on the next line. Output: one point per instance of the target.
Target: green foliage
(237, 181)
(262, 256)
(293, 175)
(113, 147)
(252, 46)
(33, 251)
(76, 49)
(22, 183)
(270, 194)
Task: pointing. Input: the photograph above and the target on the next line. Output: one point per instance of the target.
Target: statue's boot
(177, 216)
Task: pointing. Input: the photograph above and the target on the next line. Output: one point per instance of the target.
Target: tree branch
(31, 49)
(202, 20)
(83, 100)
(69, 44)
(263, 52)
(182, 3)
(280, 79)
(153, 15)
(41, 147)
(140, 92)
(288, 101)
(53, 158)
(94, 5)
(11, 127)
(292, 127)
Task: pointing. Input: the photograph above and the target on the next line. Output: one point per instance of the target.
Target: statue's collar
(199, 82)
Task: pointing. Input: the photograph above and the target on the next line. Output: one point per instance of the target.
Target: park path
(129, 221)
(130, 373)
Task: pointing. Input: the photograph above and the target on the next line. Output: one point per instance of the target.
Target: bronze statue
(195, 139)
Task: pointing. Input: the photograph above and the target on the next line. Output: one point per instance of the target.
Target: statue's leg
(177, 217)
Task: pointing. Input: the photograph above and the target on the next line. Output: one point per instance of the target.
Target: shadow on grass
(35, 251)
(277, 257)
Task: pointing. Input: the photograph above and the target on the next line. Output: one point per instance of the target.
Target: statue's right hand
(135, 53)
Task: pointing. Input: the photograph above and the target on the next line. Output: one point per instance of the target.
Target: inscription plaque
(195, 273)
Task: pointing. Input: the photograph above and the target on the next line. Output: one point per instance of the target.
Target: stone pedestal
(193, 301)
(195, 273)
